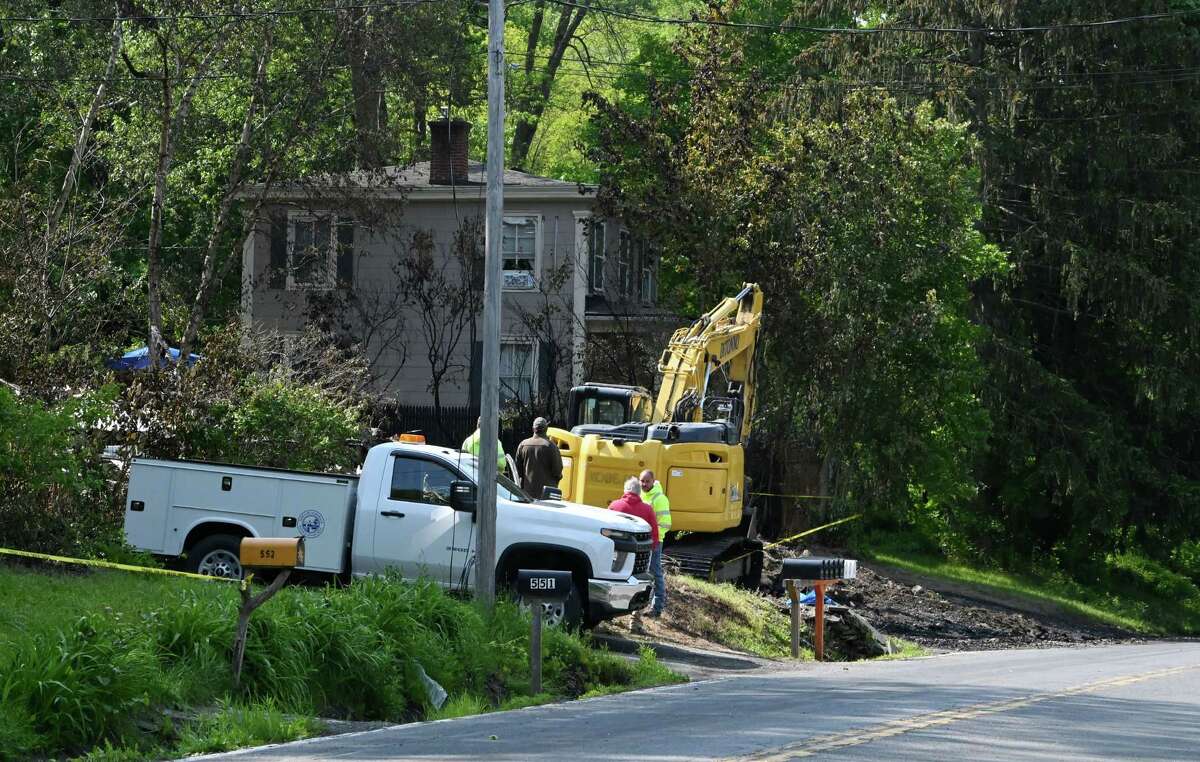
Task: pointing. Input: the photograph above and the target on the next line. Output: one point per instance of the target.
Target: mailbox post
(816, 573)
(538, 586)
(283, 553)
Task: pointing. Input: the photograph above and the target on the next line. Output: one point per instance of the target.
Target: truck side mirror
(463, 496)
(551, 493)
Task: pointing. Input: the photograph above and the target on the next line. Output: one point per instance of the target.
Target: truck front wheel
(566, 614)
(216, 556)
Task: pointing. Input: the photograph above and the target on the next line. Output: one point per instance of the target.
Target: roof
(412, 181)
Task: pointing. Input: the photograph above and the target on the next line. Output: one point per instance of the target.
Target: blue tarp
(809, 599)
(139, 359)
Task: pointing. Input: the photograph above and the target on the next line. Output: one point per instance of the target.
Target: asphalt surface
(1107, 702)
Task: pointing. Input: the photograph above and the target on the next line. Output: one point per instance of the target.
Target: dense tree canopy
(975, 221)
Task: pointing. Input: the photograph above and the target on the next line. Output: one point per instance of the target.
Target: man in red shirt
(631, 502)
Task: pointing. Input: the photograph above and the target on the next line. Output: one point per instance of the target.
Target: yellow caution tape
(797, 536)
(109, 565)
(812, 531)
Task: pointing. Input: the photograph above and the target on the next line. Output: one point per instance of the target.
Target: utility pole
(489, 402)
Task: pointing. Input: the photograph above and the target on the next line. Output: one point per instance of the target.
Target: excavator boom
(720, 346)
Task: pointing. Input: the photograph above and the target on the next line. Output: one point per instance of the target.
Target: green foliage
(353, 653)
(297, 406)
(55, 493)
(237, 725)
(1129, 590)
(1088, 153)
(859, 221)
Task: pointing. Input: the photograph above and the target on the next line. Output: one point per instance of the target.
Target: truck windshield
(506, 489)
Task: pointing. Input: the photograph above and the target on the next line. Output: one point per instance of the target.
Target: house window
(312, 251)
(625, 271)
(649, 285)
(596, 257)
(517, 370)
(520, 251)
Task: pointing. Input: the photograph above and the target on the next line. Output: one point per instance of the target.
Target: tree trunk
(81, 142)
(171, 124)
(241, 155)
(370, 106)
(533, 104)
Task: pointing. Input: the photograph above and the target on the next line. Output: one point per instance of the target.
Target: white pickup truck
(412, 509)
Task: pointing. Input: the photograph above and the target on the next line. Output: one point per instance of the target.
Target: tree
(858, 220)
(445, 292)
(1090, 169)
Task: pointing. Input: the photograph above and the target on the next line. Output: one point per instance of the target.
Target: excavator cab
(608, 405)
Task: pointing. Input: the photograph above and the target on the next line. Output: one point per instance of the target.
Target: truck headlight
(617, 534)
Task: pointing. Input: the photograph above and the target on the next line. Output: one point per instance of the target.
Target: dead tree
(445, 296)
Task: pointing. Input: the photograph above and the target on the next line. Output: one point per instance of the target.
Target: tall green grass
(1127, 590)
(100, 656)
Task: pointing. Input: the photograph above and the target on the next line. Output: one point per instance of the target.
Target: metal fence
(450, 425)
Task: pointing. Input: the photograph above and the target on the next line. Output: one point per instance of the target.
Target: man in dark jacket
(539, 464)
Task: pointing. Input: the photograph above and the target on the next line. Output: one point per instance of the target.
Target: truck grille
(642, 536)
(641, 562)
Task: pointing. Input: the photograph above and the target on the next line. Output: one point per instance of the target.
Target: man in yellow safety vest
(471, 445)
(652, 493)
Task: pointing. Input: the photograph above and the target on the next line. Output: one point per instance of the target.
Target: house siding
(267, 306)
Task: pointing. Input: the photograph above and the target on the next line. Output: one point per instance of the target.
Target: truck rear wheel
(217, 556)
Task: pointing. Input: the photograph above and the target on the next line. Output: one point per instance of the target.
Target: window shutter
(345, 252)
(476, 372)
(277, 272)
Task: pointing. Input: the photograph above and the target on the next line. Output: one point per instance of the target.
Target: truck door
(416, 531)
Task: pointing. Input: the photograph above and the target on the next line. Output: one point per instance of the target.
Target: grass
(1130, 591)
(732, 617)
(99, 663)
(38, 603)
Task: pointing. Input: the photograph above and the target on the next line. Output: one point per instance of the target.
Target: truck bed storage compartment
(169, 499)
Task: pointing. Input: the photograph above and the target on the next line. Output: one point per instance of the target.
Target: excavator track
(727, 557)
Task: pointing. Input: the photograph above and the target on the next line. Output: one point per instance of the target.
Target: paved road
(1112, 702)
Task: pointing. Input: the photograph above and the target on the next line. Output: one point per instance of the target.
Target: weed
(462, 705)
(148, 644)
(732, 617)
(238, 725)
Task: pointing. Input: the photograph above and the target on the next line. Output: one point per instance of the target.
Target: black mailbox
(543, 584)
(813, 568)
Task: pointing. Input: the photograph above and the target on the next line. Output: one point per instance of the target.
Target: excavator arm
(707, 368)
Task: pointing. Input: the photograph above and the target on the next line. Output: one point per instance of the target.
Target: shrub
(286, 404)
(55, 494)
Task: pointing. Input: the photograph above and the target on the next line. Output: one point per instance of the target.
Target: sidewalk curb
(668, 652)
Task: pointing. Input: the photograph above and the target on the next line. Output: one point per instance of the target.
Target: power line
(231, 15)
(696, 21)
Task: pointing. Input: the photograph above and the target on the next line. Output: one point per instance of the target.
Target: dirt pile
(958, 617)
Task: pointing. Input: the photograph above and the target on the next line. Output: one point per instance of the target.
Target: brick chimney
(448, 151)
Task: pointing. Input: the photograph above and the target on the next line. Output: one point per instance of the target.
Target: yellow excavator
(692, 436)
